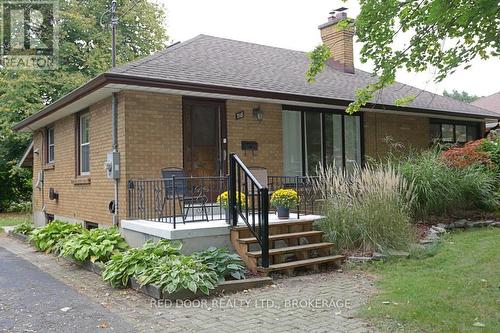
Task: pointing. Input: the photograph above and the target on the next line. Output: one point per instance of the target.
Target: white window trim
(49, 144)
(81, 145)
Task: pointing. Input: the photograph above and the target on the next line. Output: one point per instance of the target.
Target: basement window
(90, 225)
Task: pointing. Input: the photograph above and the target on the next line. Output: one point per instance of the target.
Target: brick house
(192, 104)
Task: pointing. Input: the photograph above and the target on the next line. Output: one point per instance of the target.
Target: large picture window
(448, 131)
(311, 137)
(50, 145)
(84, 144)
(292, 143)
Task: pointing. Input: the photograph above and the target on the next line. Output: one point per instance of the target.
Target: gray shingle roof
(229, 63)
(491, 102)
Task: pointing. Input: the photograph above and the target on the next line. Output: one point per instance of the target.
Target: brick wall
(80, 198)
(153, 133)
(340, 43)
(411, 131)
(150, 138)
(267, 133)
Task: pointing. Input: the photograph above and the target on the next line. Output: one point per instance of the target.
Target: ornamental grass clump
(442, 188)
(366, 209)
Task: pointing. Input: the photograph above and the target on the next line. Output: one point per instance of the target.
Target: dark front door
(204, 138)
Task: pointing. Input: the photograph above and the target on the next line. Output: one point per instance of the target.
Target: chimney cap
(338, 10)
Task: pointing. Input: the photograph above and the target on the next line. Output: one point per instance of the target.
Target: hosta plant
(223, 262)
(49, 238)
(174, 273)
(133, 262)
(94, 245)
(24, 228)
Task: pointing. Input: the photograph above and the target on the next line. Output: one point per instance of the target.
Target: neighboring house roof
(491, 102)
(224, 66)
(27, 160)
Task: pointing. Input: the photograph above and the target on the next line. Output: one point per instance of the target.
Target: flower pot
(283, 212)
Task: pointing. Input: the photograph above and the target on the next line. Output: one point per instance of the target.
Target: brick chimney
(339, 41)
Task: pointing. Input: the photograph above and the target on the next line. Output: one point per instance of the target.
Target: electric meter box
(113, 165)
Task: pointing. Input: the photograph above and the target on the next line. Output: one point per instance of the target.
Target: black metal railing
(177, 199)
(249, 201)
(309, 201)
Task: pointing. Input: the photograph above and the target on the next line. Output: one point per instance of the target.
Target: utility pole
(114, 156)
(114, 23)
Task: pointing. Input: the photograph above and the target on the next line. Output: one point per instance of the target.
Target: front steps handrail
(249, 200)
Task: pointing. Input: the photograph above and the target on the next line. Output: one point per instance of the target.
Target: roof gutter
(117, 78)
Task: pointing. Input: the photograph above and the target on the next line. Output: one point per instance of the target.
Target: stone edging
(21, 237)
(154, 291)
(231, 286)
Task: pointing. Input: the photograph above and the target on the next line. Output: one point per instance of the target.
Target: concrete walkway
(325, 302)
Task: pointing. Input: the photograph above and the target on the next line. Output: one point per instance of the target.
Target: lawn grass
(9, 219)
(449, 292)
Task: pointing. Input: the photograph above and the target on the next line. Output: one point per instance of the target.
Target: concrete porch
(193, 235)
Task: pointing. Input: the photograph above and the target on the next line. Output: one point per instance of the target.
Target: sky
(293, 24)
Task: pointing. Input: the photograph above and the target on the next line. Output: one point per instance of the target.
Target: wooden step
(281, 223)
(302, 263)
(251, 240)
(290, 249)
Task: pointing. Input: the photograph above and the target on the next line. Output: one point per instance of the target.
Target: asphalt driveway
(33, 301)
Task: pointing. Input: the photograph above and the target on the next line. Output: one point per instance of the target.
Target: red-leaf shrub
(469, 154)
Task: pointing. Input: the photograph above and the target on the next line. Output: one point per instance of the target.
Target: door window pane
(204, 125)
(292, 143)
(461, 133)
(313, 141)
(352, 141)
(333, 140)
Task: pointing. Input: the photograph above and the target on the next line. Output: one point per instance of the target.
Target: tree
(440, 34)
(84, 52)
(463, 96)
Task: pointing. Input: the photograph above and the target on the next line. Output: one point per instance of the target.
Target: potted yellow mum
(223, 200)
(283, 200)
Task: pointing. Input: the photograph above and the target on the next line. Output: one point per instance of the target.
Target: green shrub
(24, 228)
(133, 262)
(492, 148)
(94, 245)
(19, 207)
(49, 238)
(440, 189)
(222, 262)
(174, 273)
(366, 209)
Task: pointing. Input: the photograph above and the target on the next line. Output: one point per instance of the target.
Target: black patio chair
(189, 196)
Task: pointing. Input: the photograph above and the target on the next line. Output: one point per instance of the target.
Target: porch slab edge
(166, 231)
